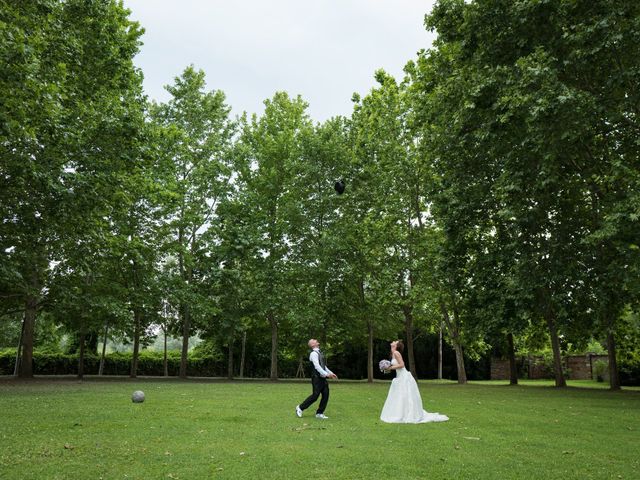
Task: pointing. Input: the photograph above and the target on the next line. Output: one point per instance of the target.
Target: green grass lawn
(202, 430)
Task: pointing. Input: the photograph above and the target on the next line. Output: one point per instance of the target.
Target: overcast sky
(323, 50)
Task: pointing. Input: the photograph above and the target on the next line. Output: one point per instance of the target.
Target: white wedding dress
(404, 404)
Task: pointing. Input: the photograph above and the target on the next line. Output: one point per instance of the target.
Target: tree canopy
(491, 194)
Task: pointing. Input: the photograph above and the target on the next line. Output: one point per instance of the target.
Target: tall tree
(197, 138)
(316, 254)
(520, 123)
(404, 180)
(75, 94)
(271, 145)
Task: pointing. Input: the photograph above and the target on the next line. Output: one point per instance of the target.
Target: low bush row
(149, 363)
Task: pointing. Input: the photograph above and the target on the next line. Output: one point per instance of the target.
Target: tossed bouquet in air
(384, 365)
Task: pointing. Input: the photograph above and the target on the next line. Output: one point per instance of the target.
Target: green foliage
(595, 347)
(200, 363)
(271, 156)
(119, 363)
(207, 349)
(193, 135)
(530, 156)
(68, 136)
(600, 370)
(629, 347)
(495, 190)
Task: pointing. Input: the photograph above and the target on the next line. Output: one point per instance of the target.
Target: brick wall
(581, 367)
(537, 368)
(499, 369)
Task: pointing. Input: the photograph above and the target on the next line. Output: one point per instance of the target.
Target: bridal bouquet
(384, 365)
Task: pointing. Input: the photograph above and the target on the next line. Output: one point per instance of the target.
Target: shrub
(149, 363)
(629, 372)
(600, 370)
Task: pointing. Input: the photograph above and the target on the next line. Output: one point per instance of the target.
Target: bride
(404, 404)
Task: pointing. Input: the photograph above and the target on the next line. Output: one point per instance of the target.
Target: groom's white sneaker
(298, 411)
(322, 416)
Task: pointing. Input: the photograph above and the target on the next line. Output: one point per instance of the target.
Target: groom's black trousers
(320, 387)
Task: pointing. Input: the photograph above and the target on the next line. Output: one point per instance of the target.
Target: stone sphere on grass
(138, 396)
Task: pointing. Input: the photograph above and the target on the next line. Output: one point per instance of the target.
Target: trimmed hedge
(149, 363)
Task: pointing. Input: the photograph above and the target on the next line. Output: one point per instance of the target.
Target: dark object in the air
(339, 186)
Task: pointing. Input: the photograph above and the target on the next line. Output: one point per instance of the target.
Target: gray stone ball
(138, 396)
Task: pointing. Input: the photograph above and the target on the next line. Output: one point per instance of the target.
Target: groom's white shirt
(313, 357)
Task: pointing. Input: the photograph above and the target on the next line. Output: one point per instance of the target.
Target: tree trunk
(26, 362)
(369, 323)
(186, 273)
(370, 352)
(242, 353)
(165, 362)
(274, 346)
(454, 333)
(81, 355)
(462, 372)
(555, 346)
(230, 359)
(440, 353)
(186, 329)
(136, 343)
(16, 366)
(325, 317)
(513, 372)
(408, 328)
(614, 378)
(104, 348)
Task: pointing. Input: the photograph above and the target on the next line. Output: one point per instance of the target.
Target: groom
(319, 376)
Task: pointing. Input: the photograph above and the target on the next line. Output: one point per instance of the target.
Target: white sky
(323, 50)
